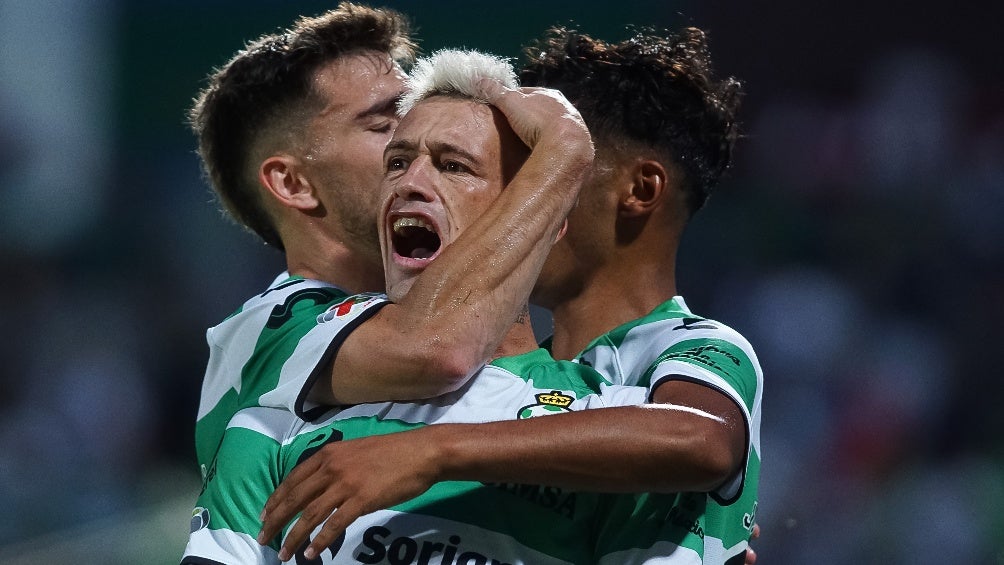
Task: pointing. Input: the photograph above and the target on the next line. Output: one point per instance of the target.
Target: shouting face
(447, 162)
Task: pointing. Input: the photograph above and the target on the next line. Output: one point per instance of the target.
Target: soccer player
(446, 164)
(291, 132)
(664, 129)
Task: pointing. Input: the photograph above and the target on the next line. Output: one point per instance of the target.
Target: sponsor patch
(200, 519)
(348, 306)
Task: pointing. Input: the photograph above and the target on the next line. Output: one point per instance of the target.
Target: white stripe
(229, 547)
(273, 423)
(493, 395)
(230, 346)
(309, 352)
(716, 553)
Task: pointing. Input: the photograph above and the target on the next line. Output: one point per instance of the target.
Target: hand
(345, 480)
(535, 112)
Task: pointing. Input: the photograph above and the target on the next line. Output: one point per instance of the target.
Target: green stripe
(637, 521)
(549, 520)
(732, 523)
(236, 490)
(210, 428)
(289, 322)
(542, 371)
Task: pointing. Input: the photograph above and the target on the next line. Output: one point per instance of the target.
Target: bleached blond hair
(454, 72)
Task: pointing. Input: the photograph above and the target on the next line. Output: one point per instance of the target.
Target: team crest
(200, 519)
(553, 402)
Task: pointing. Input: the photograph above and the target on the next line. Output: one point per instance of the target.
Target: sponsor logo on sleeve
(348, 306)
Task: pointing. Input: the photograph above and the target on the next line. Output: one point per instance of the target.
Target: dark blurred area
(858, 244)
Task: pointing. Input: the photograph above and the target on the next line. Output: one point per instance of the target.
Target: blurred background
(858, 244)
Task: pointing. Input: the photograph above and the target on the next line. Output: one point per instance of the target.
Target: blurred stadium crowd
(859, 245)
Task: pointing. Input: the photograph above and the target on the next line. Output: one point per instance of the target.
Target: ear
(649, 184)
(281, 177)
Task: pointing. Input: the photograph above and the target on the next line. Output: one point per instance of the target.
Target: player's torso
(469, 522)
(251, 350)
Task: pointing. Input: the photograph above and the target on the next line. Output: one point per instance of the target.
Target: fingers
(334, 526)
(491, 89)
(296, 537)
(533, 111)
(302, 485)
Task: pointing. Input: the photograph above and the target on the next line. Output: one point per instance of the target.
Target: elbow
(446, 370)
(716, 462)
(715, 469)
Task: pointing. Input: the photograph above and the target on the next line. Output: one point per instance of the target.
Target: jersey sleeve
(719, 358)
(246, 470)
(301, 363)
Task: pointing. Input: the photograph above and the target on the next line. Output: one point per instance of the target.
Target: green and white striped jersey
(264, 353)
(672, 343)
(453, 522)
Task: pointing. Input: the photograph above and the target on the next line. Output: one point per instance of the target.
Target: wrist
(450, 450)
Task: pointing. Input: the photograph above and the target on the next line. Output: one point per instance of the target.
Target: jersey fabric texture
(263, 353)
(453, 522)
(671, 343)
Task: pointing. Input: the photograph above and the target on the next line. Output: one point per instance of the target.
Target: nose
(415, 185)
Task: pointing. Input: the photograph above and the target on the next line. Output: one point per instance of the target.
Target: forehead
(455, 121)
(358, 80)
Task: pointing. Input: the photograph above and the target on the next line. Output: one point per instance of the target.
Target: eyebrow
(436, 147)
(444, 147)
(381, 106)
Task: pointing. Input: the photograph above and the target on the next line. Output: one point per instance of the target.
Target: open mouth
(414, 238)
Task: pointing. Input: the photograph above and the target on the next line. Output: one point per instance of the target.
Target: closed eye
(383, 127)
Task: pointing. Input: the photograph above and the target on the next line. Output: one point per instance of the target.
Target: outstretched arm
(692, 439)
(455, 315)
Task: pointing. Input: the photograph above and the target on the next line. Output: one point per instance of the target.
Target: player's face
(591, 233)
(343, 153)
(448, 160)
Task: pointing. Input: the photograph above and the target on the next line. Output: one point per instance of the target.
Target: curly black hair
(658, 90)
(268, 83)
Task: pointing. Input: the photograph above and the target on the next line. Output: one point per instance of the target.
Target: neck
(617, 293)
(519, 339)
(334, 263)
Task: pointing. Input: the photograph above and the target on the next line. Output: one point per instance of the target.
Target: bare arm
(693, 439)
(454, 317)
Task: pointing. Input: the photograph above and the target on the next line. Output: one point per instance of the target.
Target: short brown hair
(269, 82)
